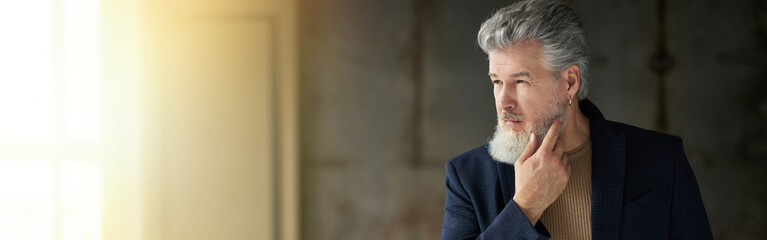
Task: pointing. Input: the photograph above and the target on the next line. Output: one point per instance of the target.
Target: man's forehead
(524, 50)
(521, 57)
(512, 66)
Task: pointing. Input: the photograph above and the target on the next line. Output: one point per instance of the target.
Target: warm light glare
(81, 69)
(26, 71)
(27, 206)
(80, 204)
(50, 120)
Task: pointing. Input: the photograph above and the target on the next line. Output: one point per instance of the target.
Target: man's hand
(541, 174)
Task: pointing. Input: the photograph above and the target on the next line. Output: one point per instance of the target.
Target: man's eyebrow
(519, 74)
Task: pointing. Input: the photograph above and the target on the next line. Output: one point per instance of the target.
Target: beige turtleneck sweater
(569, 217)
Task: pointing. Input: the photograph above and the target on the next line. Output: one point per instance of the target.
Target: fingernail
(532, 135)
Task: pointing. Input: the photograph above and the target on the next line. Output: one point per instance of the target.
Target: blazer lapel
(607, 174)
(607, 162)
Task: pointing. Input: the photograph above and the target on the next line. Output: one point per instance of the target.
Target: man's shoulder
(648, 150)
(640, 137)
(635, 136)
(476, 172)
(473, 160)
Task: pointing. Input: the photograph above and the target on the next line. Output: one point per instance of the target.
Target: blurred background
(332, 119)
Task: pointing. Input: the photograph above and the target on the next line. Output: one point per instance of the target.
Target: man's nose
(507, 98)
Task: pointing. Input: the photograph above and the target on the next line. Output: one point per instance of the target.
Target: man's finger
(551, 137)
(529, 149)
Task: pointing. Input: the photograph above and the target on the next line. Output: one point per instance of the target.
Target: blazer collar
(607, 163)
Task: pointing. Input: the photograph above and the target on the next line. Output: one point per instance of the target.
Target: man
(555, 168)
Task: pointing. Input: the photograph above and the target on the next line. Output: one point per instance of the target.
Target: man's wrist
(530, 212)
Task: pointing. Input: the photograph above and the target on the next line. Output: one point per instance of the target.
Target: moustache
(508, 115)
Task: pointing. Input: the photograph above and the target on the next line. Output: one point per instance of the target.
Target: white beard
(507, 145)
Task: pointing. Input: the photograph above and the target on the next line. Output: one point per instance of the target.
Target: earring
(570, 101)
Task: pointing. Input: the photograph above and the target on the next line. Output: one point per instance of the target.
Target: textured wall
(384, 103)
(391, 90)
(717, 101)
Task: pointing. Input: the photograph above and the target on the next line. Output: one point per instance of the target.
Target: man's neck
(577, 129)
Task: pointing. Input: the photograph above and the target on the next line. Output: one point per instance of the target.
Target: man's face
(528, 97)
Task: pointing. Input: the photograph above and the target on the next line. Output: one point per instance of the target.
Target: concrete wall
(391, 90)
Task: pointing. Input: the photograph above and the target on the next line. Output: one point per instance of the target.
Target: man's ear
(572, 77)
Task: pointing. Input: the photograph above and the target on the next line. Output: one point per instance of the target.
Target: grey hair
(552, 22)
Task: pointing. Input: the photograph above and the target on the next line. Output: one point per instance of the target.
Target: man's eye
(497, 82)
(521, 81)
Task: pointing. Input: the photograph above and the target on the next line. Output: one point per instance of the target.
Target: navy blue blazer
(642, 188)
